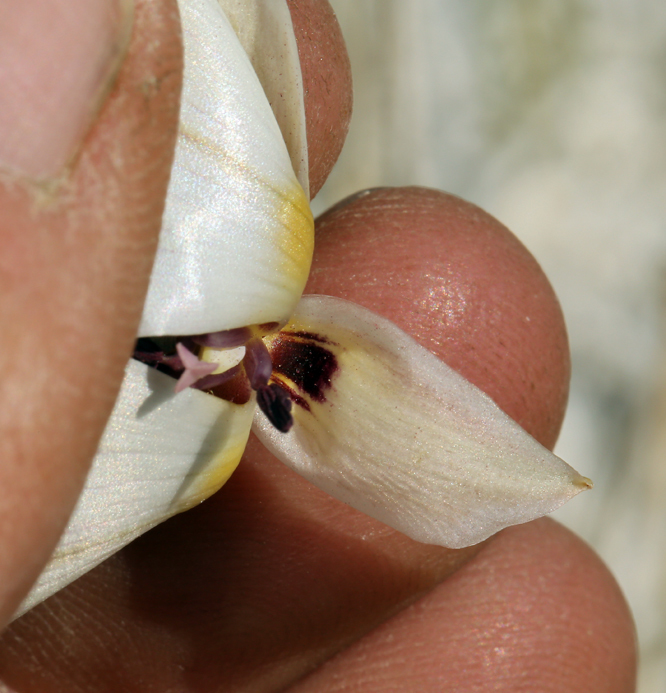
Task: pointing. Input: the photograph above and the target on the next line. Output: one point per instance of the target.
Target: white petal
(401, 436)
(266, 33)
(237, 232)
(160, 454)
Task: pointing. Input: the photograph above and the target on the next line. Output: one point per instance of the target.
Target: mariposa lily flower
(378, 421)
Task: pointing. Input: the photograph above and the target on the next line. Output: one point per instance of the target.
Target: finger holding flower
(230, 327)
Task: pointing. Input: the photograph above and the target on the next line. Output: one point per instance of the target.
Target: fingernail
(58, 59)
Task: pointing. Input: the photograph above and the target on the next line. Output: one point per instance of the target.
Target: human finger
(536, 596)
(79, 201)
(81, 206)
(462, 285)
(273, 577)
(536, 610)
(327, 84)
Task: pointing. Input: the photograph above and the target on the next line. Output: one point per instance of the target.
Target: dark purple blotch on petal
(304, 359)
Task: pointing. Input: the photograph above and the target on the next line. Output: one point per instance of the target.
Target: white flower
(380, 422)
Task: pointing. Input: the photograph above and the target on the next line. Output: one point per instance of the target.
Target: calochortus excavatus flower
(376, 420)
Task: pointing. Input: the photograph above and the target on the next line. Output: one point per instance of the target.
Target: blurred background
(551, 115)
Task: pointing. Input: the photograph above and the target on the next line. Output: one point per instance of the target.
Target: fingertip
(75, 269)
(327, 84)
(569, 622)
(460, 283)
(536, 610)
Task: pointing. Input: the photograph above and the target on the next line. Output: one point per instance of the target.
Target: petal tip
(583, 483)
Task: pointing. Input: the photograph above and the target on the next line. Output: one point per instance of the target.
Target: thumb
(88, 117)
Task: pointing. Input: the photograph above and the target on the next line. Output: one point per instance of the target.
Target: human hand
(270, 577)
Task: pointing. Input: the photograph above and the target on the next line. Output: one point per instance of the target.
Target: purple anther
(257, 363)
(209, 382)
(149, 357)
(159, 358)
(226, 339)
(276, 405)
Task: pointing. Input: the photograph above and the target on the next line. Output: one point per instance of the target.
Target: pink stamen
(194, 368)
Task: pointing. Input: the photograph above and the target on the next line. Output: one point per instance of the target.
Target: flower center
(229, 364)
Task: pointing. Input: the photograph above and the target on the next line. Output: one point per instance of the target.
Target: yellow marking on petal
(297, 244)
(292, 211)
(293, 234)
(220, 465)
(217, 475)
